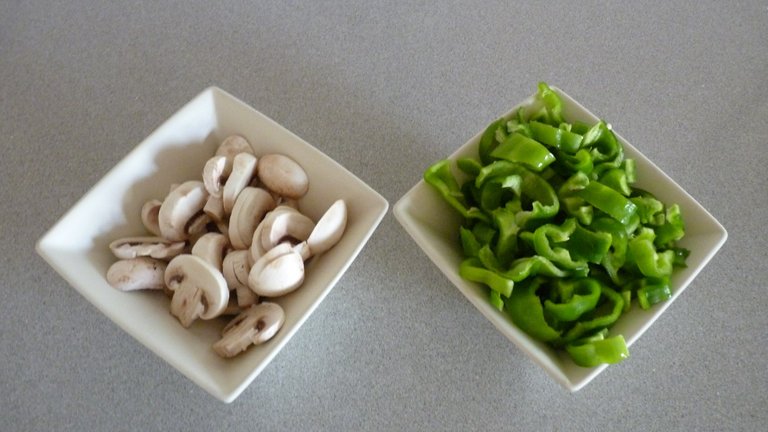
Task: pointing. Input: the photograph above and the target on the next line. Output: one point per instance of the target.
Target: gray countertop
(385, 88)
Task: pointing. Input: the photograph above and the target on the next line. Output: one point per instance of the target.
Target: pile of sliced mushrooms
(221, 245)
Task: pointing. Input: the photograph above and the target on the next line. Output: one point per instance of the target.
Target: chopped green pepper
(590, 353)
(524, 307)
(519, 148)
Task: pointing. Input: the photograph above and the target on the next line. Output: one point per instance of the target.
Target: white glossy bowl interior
(434, 227)
(76, 246)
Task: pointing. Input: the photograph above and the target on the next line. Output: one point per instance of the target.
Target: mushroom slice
(213, 175)
(154, 247)
(278, 272)
(289, 224)
(235, 269)
(231, 147)
(199, 290)
(283, 176)
(329, 228)
(232, 307)
(243, 169)
(214, 208)
(149, 214)
(257, 250)
(255, 325)
(211, 247)
(179, 208)
(137, 273)
(251, 206)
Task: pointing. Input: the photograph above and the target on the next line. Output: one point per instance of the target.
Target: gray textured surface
(385, 88)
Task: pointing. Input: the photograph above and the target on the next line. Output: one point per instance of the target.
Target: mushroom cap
(153, 247)
(278, 272)
(243, 169)
(329, 228)
(249, 209)
(200, 290)
(283, 175)
(179, 208)
(137, 273)
(255, 325)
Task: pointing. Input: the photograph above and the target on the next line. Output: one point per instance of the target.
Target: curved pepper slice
(525, 310)
(523, 268)
(578, 295)
(673, 228)
(603, 142)
(488, 141)
(552, 103)
(591, 353)
(587, 245)
(440, 177)
(546, 235)
(608, 200)
(601, 321)
(544, 204)
(506, 244)
(556, 137)
(574, 204)
(651, 263)
(472, 269)
(653, 291)
(617, 254)
(519, 148)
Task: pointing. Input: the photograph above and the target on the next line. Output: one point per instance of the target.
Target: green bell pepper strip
(630, 169)
(488, 141)
(552, 103)
(681, 255)
(519, 124)
(484, 233)
(469, 166)
(523, 268)
(580, 127)
(573, 204)
(469, 243)
(614, 260)
(546, 235)
(649, 261)
(616, 179)
(649, 209)
(591, 353)
(583, 296)
(472, 269)
(441, 178)
(603, 142)
(653, 291)
(561, 139)
(587, 245)
(519, 148)
(581, 161)
(506, 244)
(544, 205)
(493, 190)
(608, 200)
(524, 308)
(672, 230)
(496, 301)
(601, 321)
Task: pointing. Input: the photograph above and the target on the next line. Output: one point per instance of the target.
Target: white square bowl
(77, 245)
(434, 225)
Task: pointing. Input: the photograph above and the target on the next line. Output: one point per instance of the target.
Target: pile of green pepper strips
(554, 228)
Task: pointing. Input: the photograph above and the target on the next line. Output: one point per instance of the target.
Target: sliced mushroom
(213, 175)
(211, 248)
(154, 247)
(179, 208)
(137, 273)
(231, 147)
(214, 208)
(232, 307)
(329, 228)
(235, 268)
(149, 214)
(278, 272)
(199, 290)
(283, 175)
(243, 169)
(303, 250)
(255, 325)
(257, 250)
(251, 206)
(285, 225)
